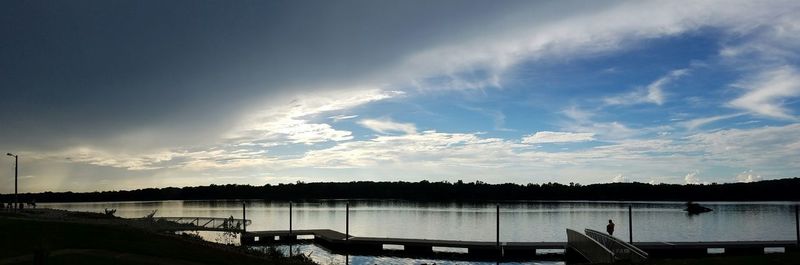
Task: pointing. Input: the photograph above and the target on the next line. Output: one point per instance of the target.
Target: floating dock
(341, 243)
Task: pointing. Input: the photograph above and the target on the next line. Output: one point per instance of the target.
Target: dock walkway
(340, 243)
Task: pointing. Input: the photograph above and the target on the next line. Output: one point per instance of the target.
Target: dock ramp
(623, 251)
(588, 248)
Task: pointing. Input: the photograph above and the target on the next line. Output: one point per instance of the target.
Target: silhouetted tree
(769, 190)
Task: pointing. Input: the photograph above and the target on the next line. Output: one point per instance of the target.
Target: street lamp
(16, 165)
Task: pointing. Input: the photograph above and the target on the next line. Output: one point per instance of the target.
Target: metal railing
(208, 223)
(622, 250)
(589, 248)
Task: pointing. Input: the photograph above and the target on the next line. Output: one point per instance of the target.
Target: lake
(527, 221)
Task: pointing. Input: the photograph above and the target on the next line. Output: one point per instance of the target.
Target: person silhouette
(610, 227)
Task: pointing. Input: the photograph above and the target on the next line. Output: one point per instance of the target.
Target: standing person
(610, 227)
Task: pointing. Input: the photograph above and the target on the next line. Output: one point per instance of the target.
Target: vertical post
(290, 219)
(630, 224)
(797, 224)
(16, 172)
(244, 218)
(347, 221)
(498, 224)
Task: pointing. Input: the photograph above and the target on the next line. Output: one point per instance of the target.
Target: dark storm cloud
(77, 70)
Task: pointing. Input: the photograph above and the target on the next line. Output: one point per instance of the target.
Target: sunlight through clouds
(290, 123)
(529, 91)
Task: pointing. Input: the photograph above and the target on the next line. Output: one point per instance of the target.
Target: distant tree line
(769, 190)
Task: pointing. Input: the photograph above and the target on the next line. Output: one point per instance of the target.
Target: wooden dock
(340, 243)
(672, 249)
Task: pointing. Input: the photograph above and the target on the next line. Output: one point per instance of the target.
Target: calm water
(519, 221)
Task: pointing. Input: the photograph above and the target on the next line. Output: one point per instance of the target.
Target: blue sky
(107, 96)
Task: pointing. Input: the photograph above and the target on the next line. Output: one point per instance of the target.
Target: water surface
(527, 221)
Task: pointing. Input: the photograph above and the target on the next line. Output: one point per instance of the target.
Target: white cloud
(582, 121)
(772, 43)
(98, 157)
(577, 114)
(433, 153)
(338, 118)
(581, 33)
(291, 123)
(773, 147)
(299, 131)
(557, 137)
(493, 48)
(766, 92)
(387, 126)
(748, 176)
(699, 122)
(436, 154)
(692, 178)
(428, 149)
(653, 93)
(619, 178)
(245, 145)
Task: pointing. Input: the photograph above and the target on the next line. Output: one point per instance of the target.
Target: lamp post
(16, 165)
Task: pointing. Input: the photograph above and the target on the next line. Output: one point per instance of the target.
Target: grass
(67, 243)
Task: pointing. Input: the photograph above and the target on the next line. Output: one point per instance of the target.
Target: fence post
(290, 218)
(797, 224)
(244, 218)
(347, 221)
(630, 224)
(498, 224)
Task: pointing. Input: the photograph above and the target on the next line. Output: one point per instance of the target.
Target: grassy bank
(77, 241)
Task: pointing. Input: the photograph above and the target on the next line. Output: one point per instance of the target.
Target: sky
(117, 95)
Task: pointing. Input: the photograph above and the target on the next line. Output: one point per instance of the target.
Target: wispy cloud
(292, 123)
(388, 126)
(342, 117)
(764, 44)
(699, 122)
(766, 92)
(653, 93)
(583, 121)
(497, 116)
(769, 146)
(607, 29)
(557, 137)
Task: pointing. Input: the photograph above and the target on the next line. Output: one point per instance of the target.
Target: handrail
(184, 218)
(622, 250)
(215, 223)
(589, 248)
